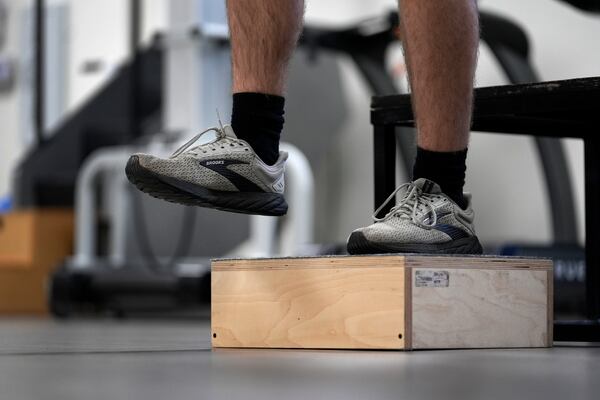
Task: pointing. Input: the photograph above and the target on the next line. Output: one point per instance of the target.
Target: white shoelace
(195, 139)
(409, 206)
(221, 135)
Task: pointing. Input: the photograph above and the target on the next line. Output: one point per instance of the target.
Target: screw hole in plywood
(399, 336)
(214, 335)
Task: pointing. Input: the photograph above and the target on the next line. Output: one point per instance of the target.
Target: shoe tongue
(427, 186)
(228, 131)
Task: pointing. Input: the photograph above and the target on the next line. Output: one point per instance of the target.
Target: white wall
(100, 31)
(11, 144)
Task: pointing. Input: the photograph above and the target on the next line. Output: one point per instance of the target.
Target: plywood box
(399, 302)
(32, 244)
(37, 238)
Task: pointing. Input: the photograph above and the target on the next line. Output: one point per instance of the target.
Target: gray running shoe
(225, 174)
(424, 221)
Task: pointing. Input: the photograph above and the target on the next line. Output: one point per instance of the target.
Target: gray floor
(44, 359)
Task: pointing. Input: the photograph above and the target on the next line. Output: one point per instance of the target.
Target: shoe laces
(212, 145)
(412, 202)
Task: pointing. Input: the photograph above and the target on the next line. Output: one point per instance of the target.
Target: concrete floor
(166, 360)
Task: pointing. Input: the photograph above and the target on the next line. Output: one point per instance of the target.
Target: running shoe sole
(359, 244)
(180, 192)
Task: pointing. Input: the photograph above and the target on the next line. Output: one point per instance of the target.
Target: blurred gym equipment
(138, 103)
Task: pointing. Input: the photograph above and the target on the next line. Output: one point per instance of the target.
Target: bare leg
(440, 41)
(263, 37)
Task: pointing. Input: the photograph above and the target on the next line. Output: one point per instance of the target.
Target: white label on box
(430, 278)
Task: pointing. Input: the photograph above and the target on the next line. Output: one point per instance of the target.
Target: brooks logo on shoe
(215, 162)
(242, 183)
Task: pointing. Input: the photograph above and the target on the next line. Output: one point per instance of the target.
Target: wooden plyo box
(32, 244)
(394, 302)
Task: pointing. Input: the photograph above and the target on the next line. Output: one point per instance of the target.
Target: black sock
(447, 169)
(257, 118)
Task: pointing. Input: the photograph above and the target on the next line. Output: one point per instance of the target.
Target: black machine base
(577, 331)
(126, 291)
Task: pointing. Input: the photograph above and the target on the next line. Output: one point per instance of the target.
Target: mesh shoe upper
(224, 164)
(423, 215)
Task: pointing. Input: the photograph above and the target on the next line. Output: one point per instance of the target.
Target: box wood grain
(398, 302)
(481, 308)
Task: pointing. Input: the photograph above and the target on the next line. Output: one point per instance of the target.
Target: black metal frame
(39, 69)
(135, 91)
(556, 109)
